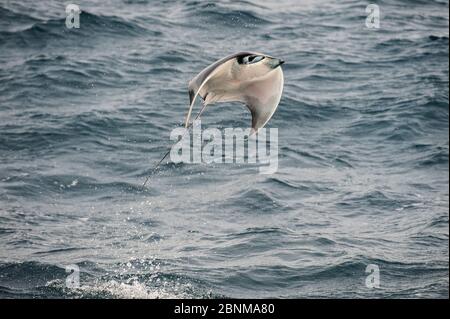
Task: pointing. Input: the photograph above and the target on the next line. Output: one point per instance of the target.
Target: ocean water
(363, 152)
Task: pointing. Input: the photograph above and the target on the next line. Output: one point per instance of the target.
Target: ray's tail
(168, 152)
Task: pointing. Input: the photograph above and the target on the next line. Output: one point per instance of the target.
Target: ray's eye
(250, 59)
(255, 58)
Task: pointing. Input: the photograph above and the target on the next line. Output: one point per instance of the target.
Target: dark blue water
(363, 152)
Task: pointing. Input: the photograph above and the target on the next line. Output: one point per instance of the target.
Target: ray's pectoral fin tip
(252, 78)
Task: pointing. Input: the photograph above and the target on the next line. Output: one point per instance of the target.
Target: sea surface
(363, 176)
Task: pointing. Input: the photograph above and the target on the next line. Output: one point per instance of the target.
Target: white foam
(134, 290)
(121, 290)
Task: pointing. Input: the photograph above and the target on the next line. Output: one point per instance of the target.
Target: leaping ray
(252, 78)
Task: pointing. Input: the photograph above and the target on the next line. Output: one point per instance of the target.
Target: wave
(13, 21)
(349, 275)
(92, 26)
(42, 280)
(70, 186)
(254, 201)
(291, 185)
(215, 15)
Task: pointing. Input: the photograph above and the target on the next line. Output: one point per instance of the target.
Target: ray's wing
(199, 81)
(262, 98)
